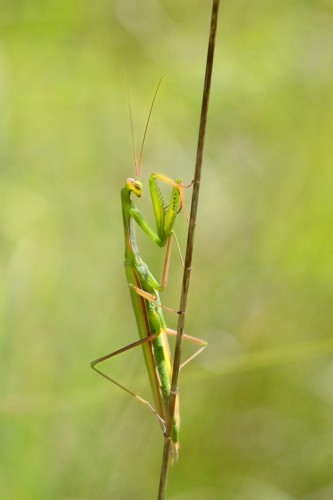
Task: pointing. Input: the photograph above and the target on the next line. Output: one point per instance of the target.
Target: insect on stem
(144, 288)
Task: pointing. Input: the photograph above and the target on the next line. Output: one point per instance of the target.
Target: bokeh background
(257, 415)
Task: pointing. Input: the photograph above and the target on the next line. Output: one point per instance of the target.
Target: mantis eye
(135, 186)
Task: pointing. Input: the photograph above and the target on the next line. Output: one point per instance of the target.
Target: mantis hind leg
(194, 340)
(140, 342)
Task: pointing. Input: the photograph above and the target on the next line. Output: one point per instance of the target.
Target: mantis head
(134, 185)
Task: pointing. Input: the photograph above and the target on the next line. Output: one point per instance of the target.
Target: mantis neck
(129, 225)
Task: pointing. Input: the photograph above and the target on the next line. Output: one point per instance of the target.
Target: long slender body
(148, 313)
(144, 291)
(144, 288)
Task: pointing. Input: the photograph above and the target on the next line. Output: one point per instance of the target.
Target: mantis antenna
(138, 161)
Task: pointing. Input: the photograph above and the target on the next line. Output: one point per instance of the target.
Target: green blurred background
(257, 419)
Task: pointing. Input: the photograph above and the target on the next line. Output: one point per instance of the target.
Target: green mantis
(144, 288)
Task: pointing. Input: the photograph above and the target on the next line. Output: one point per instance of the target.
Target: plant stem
(189, 249)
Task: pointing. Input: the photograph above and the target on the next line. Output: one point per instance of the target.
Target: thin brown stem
(189, 249)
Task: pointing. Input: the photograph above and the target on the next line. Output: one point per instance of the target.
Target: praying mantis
(144, 288)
